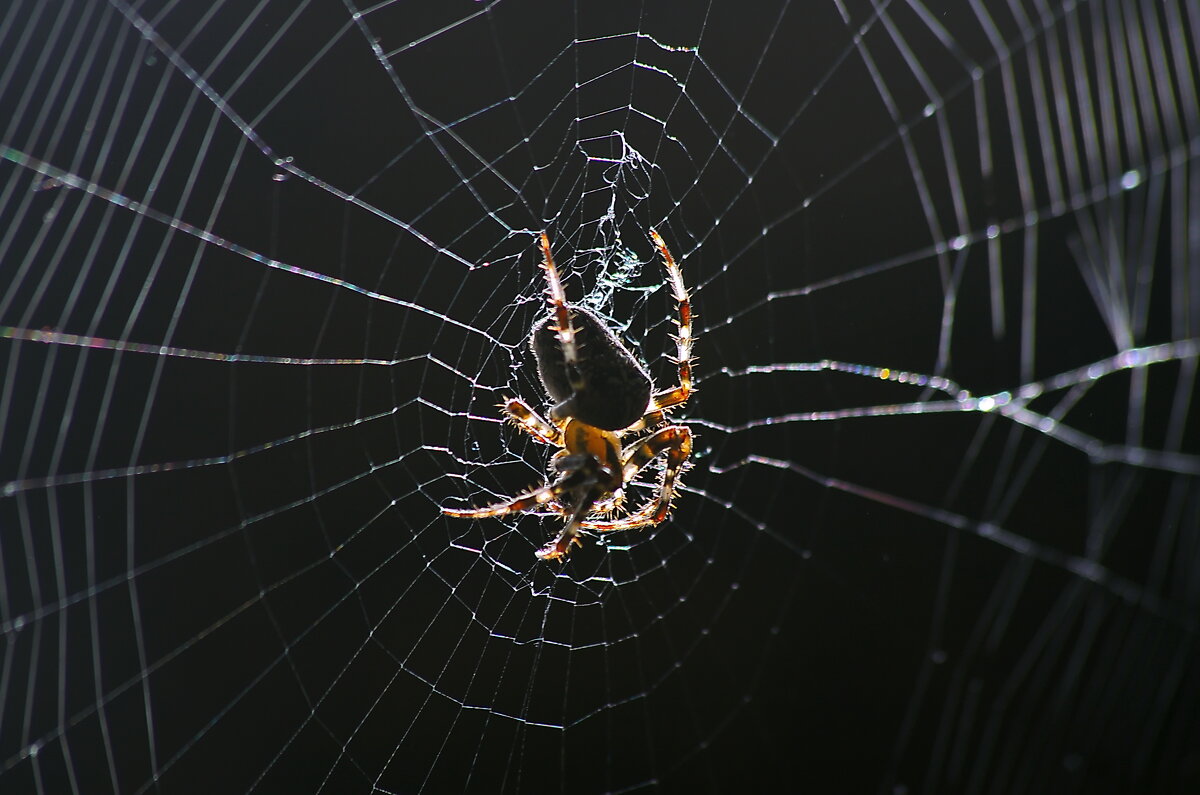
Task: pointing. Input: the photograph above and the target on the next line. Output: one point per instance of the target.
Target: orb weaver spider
(601, 394)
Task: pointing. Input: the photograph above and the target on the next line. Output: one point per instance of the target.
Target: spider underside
(600, 394)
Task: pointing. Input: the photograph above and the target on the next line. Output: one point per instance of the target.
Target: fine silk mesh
(268, 268)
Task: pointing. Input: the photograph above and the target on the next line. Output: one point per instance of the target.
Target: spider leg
(561, 545)
(676, 442)
(580, 484)
(683, 340)
(531, 422)
(576, 480)
(562, 316)
(522, 502)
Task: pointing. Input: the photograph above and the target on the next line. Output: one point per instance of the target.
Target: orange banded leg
(561, 545)
(523, 502)
(683, 339)
(651, 419)
(676, 442)
(531, 422)
(562, 316)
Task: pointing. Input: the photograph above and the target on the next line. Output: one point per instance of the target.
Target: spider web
(268, 268)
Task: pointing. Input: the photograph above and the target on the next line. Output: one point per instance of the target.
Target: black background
(223, 576)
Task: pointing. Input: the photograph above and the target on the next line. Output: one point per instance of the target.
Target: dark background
(224, 564)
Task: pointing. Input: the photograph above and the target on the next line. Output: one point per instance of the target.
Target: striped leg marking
(562, 316)
(676, 442)
(678, 395)
(531, 422)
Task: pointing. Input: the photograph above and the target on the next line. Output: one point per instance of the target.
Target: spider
(600, 394)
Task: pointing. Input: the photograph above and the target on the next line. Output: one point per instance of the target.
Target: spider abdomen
(616, 388)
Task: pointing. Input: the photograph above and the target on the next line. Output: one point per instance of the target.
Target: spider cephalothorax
(600, 395)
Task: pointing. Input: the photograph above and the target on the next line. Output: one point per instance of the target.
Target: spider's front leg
(561, 545)
(676, 442)
(522, 502)
(583, 480)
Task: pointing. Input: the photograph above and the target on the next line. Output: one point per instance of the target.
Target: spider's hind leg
(562, 316)
(683, 338)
